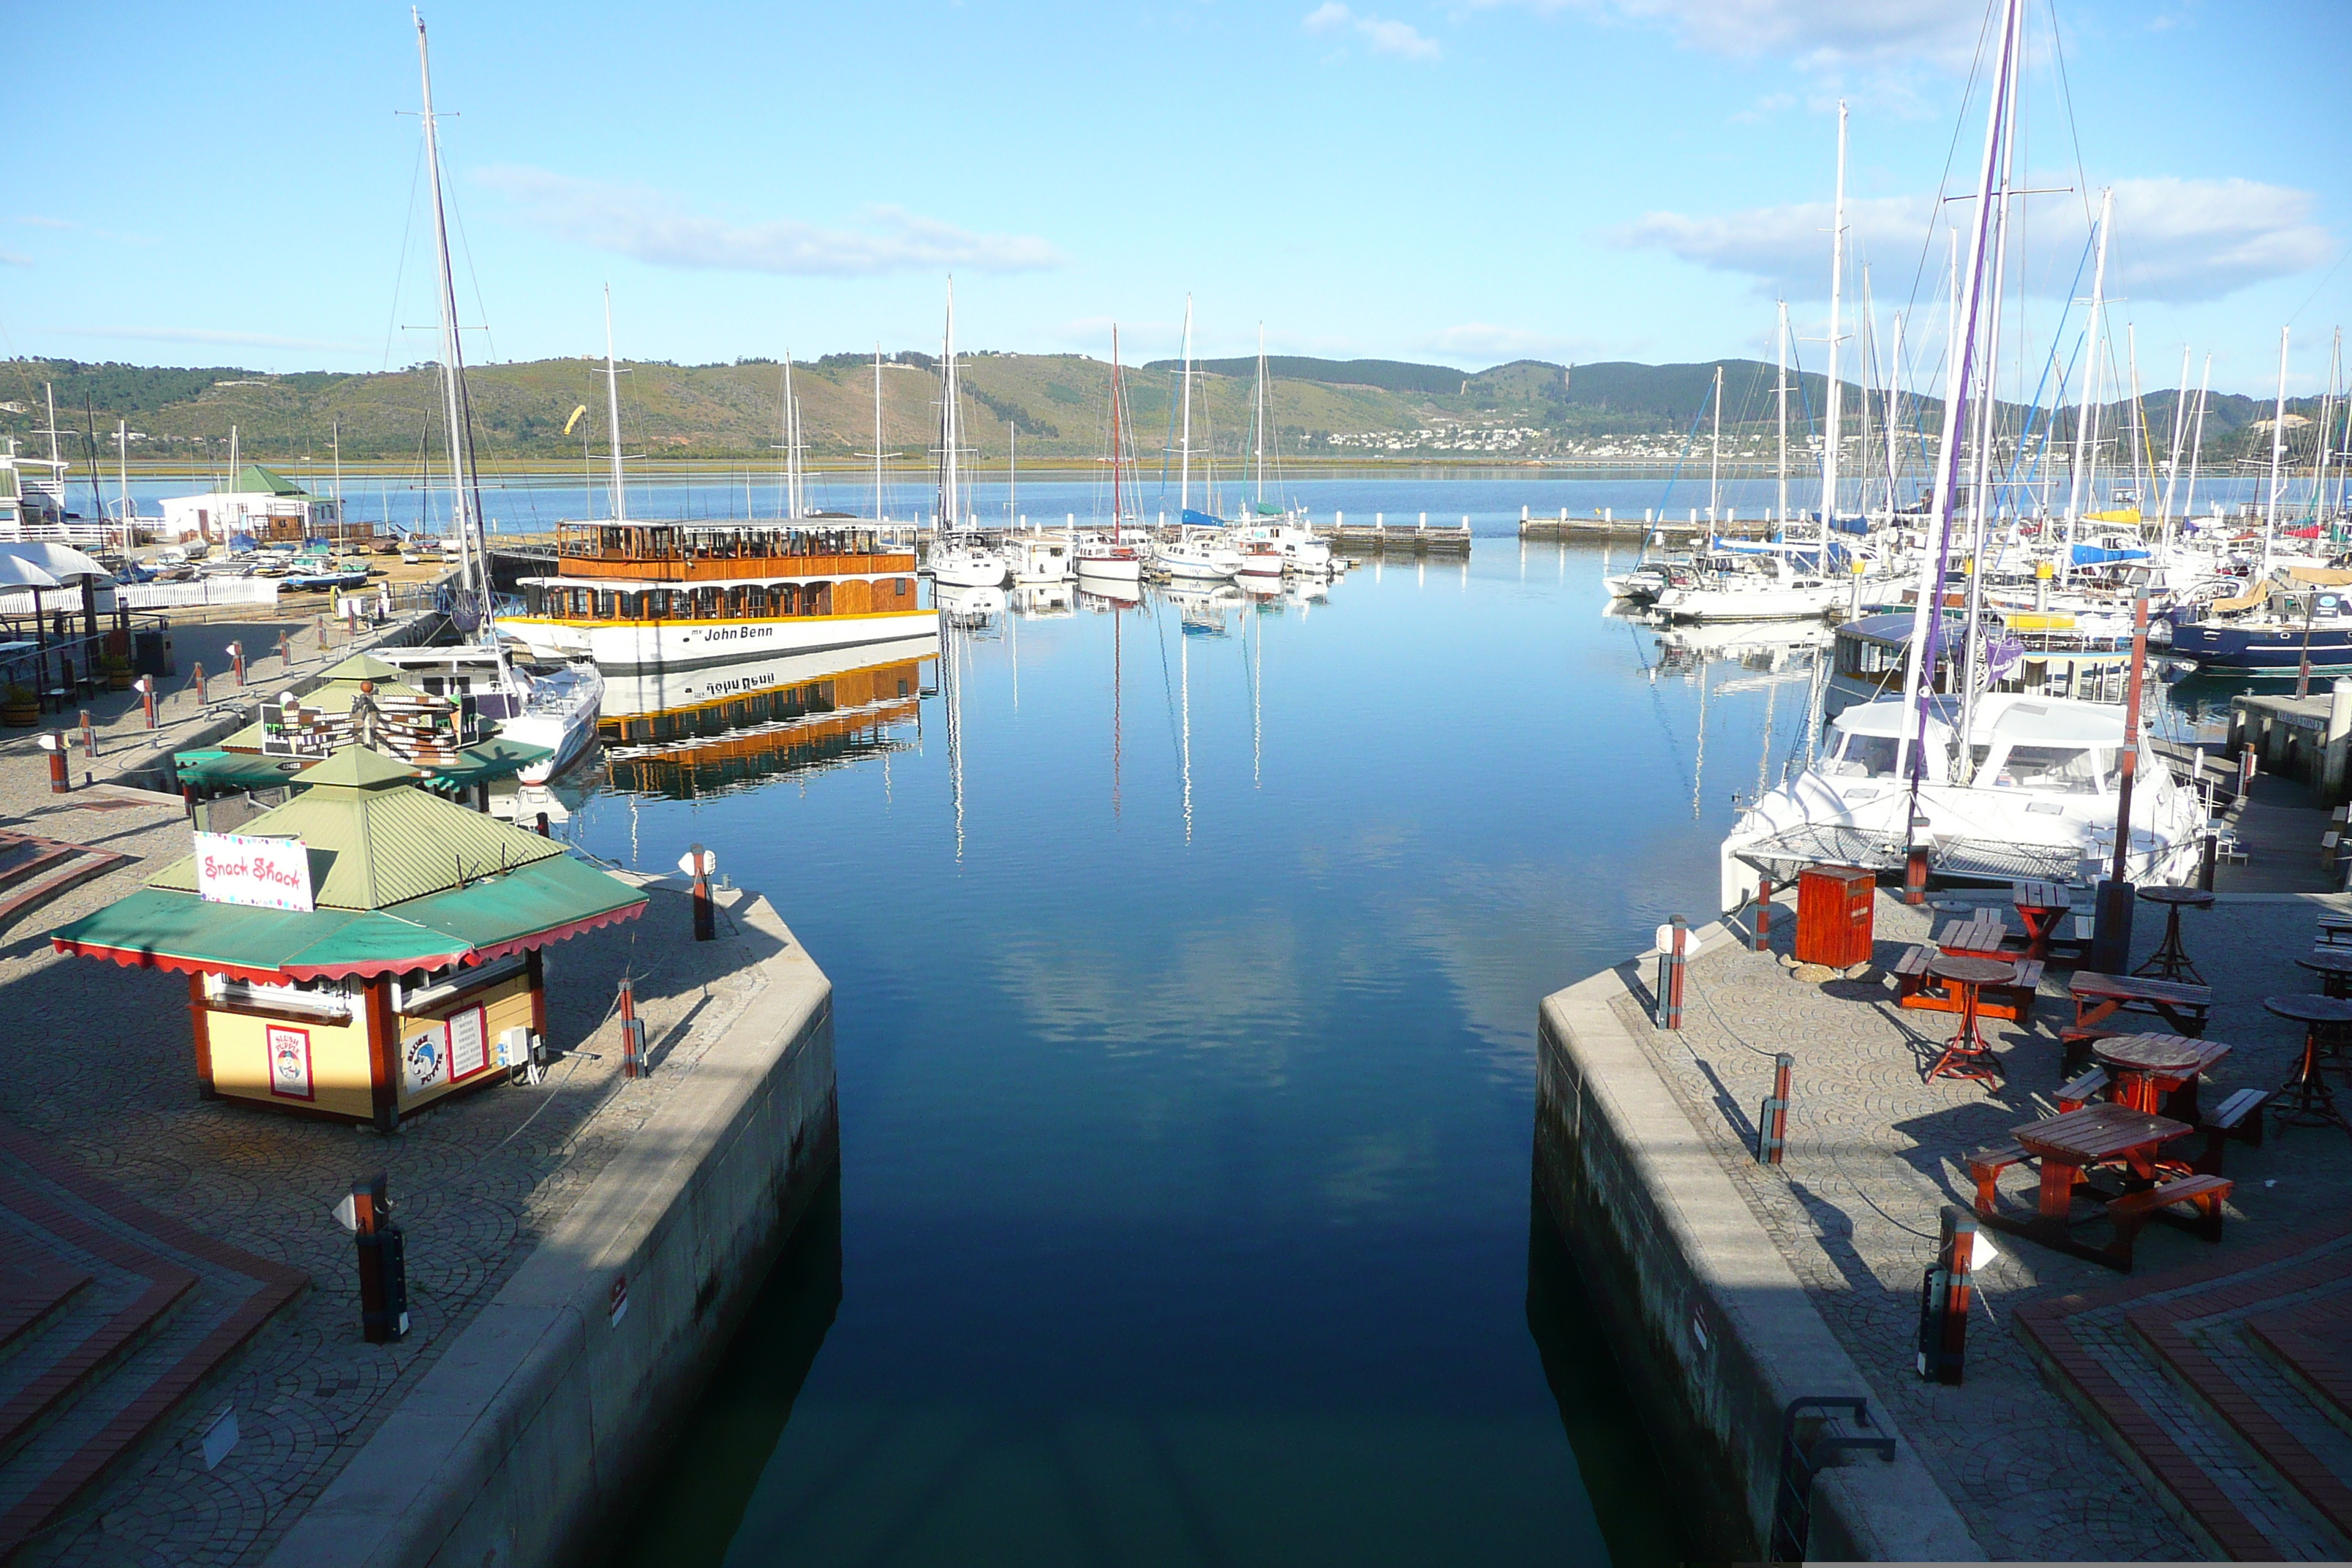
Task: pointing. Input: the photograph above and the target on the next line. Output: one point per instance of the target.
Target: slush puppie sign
(264, 873)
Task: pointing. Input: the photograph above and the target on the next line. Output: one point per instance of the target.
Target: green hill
(1334, 409)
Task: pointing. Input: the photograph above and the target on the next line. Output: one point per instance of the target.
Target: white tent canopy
(62, 563)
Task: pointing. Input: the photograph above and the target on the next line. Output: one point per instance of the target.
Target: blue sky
(1466, 182)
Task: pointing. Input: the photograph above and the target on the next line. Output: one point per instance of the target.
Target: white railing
(151, 595)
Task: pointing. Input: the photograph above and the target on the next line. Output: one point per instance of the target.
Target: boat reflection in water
(685, 734)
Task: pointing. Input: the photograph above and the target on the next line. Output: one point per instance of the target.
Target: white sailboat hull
(1111, 568)
(1791, 603)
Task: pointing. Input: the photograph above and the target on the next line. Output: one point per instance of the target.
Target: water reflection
(688, 733)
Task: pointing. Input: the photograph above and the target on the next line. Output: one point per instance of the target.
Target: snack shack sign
(266, 873)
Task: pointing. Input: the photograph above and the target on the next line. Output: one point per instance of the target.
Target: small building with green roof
(363, 951)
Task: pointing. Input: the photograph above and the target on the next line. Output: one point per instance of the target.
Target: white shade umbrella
(15, 572)
(62, 563)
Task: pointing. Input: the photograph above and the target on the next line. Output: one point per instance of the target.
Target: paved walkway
(1875, 1154)
(106, 1081)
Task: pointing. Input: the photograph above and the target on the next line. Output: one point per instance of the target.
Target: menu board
(470, 1043)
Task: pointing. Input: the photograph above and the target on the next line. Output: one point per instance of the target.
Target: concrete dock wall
(533, 1431)
(1714, 1329)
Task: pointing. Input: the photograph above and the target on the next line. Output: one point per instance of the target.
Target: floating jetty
(1382, 537)
(1604, 523)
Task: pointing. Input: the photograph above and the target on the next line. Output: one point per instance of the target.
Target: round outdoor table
(2304, 1100)
(2333, 968)
(1965, 1054)
(2171, 960)
(2147, 1062)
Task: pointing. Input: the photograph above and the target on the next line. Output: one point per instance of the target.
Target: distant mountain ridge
(1323, 408)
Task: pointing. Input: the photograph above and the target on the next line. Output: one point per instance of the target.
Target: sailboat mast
(467, 485)
(1784, 415)
(1980, 497)
(1184, 446)
(612, 412)
(1257, 416)
(1927, 622)
(878, 432)
(1117, 450)
(2087, 415)
(2327, 425)
(1837, 279)
(951, 499)
(1714, 456)
(2197, 442)
(2278, 456)
(2180, 428)
(791, 434)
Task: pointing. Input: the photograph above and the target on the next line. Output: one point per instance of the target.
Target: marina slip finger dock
(1859, 1382)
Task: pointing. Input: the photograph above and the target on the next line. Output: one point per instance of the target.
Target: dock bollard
(1763, 931)
(146, 684)
(2210, 852)
(366, 1212)
(236, 662)
(1915, 875)
(699, 863)
(285, 650)
(632, 1035)
(1772, 1122)
(88, 735)
(54, 742)
(1673, 942)
(1944, 1299)
(200, 685)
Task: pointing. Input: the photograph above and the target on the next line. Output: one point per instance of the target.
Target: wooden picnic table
(2068, 1148)
(2158, 1073)
(2100, 997)
(2333, 968)
(2041, 905)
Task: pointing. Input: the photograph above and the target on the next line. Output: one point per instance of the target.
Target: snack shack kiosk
(363, 951)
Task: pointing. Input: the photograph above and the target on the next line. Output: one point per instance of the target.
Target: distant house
(263, 503)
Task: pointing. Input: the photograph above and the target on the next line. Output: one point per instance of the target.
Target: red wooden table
(2304, 1100)
(2100, 997)
(1965, 1054)
(2158, 1073)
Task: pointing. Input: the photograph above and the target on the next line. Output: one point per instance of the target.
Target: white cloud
(34, 220)
(1819, 34)
(201, 335)
(2175, 240)
(1383, 36)
(2186, 240)
(10, 258)
(657, 226)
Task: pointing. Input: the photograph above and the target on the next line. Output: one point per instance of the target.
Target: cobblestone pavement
(108, 1081)
(1875, 1152)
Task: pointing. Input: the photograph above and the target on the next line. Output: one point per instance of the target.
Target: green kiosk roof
(400, 879)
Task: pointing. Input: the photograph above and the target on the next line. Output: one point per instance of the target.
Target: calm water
(1186, 990)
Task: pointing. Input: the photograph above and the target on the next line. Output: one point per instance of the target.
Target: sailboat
(960, 558)
(1274, 540)
(1991, 786)
(1112, 564)
(556, 708)
(1196, 550)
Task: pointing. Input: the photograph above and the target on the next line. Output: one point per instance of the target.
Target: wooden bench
(1914, 987)
(1986, 1166)
(2099, 998)
(2079, 1092)
(2238, 1117)
(2130, 1213)
(2335, 930)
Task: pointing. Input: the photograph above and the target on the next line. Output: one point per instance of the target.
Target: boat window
(2061, 769)
(1867, 757)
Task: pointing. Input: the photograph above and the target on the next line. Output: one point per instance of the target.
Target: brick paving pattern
(106, 1085)
(1875, 1152)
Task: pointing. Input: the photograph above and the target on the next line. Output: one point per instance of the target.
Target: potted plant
(20, 706)
(116, 668)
